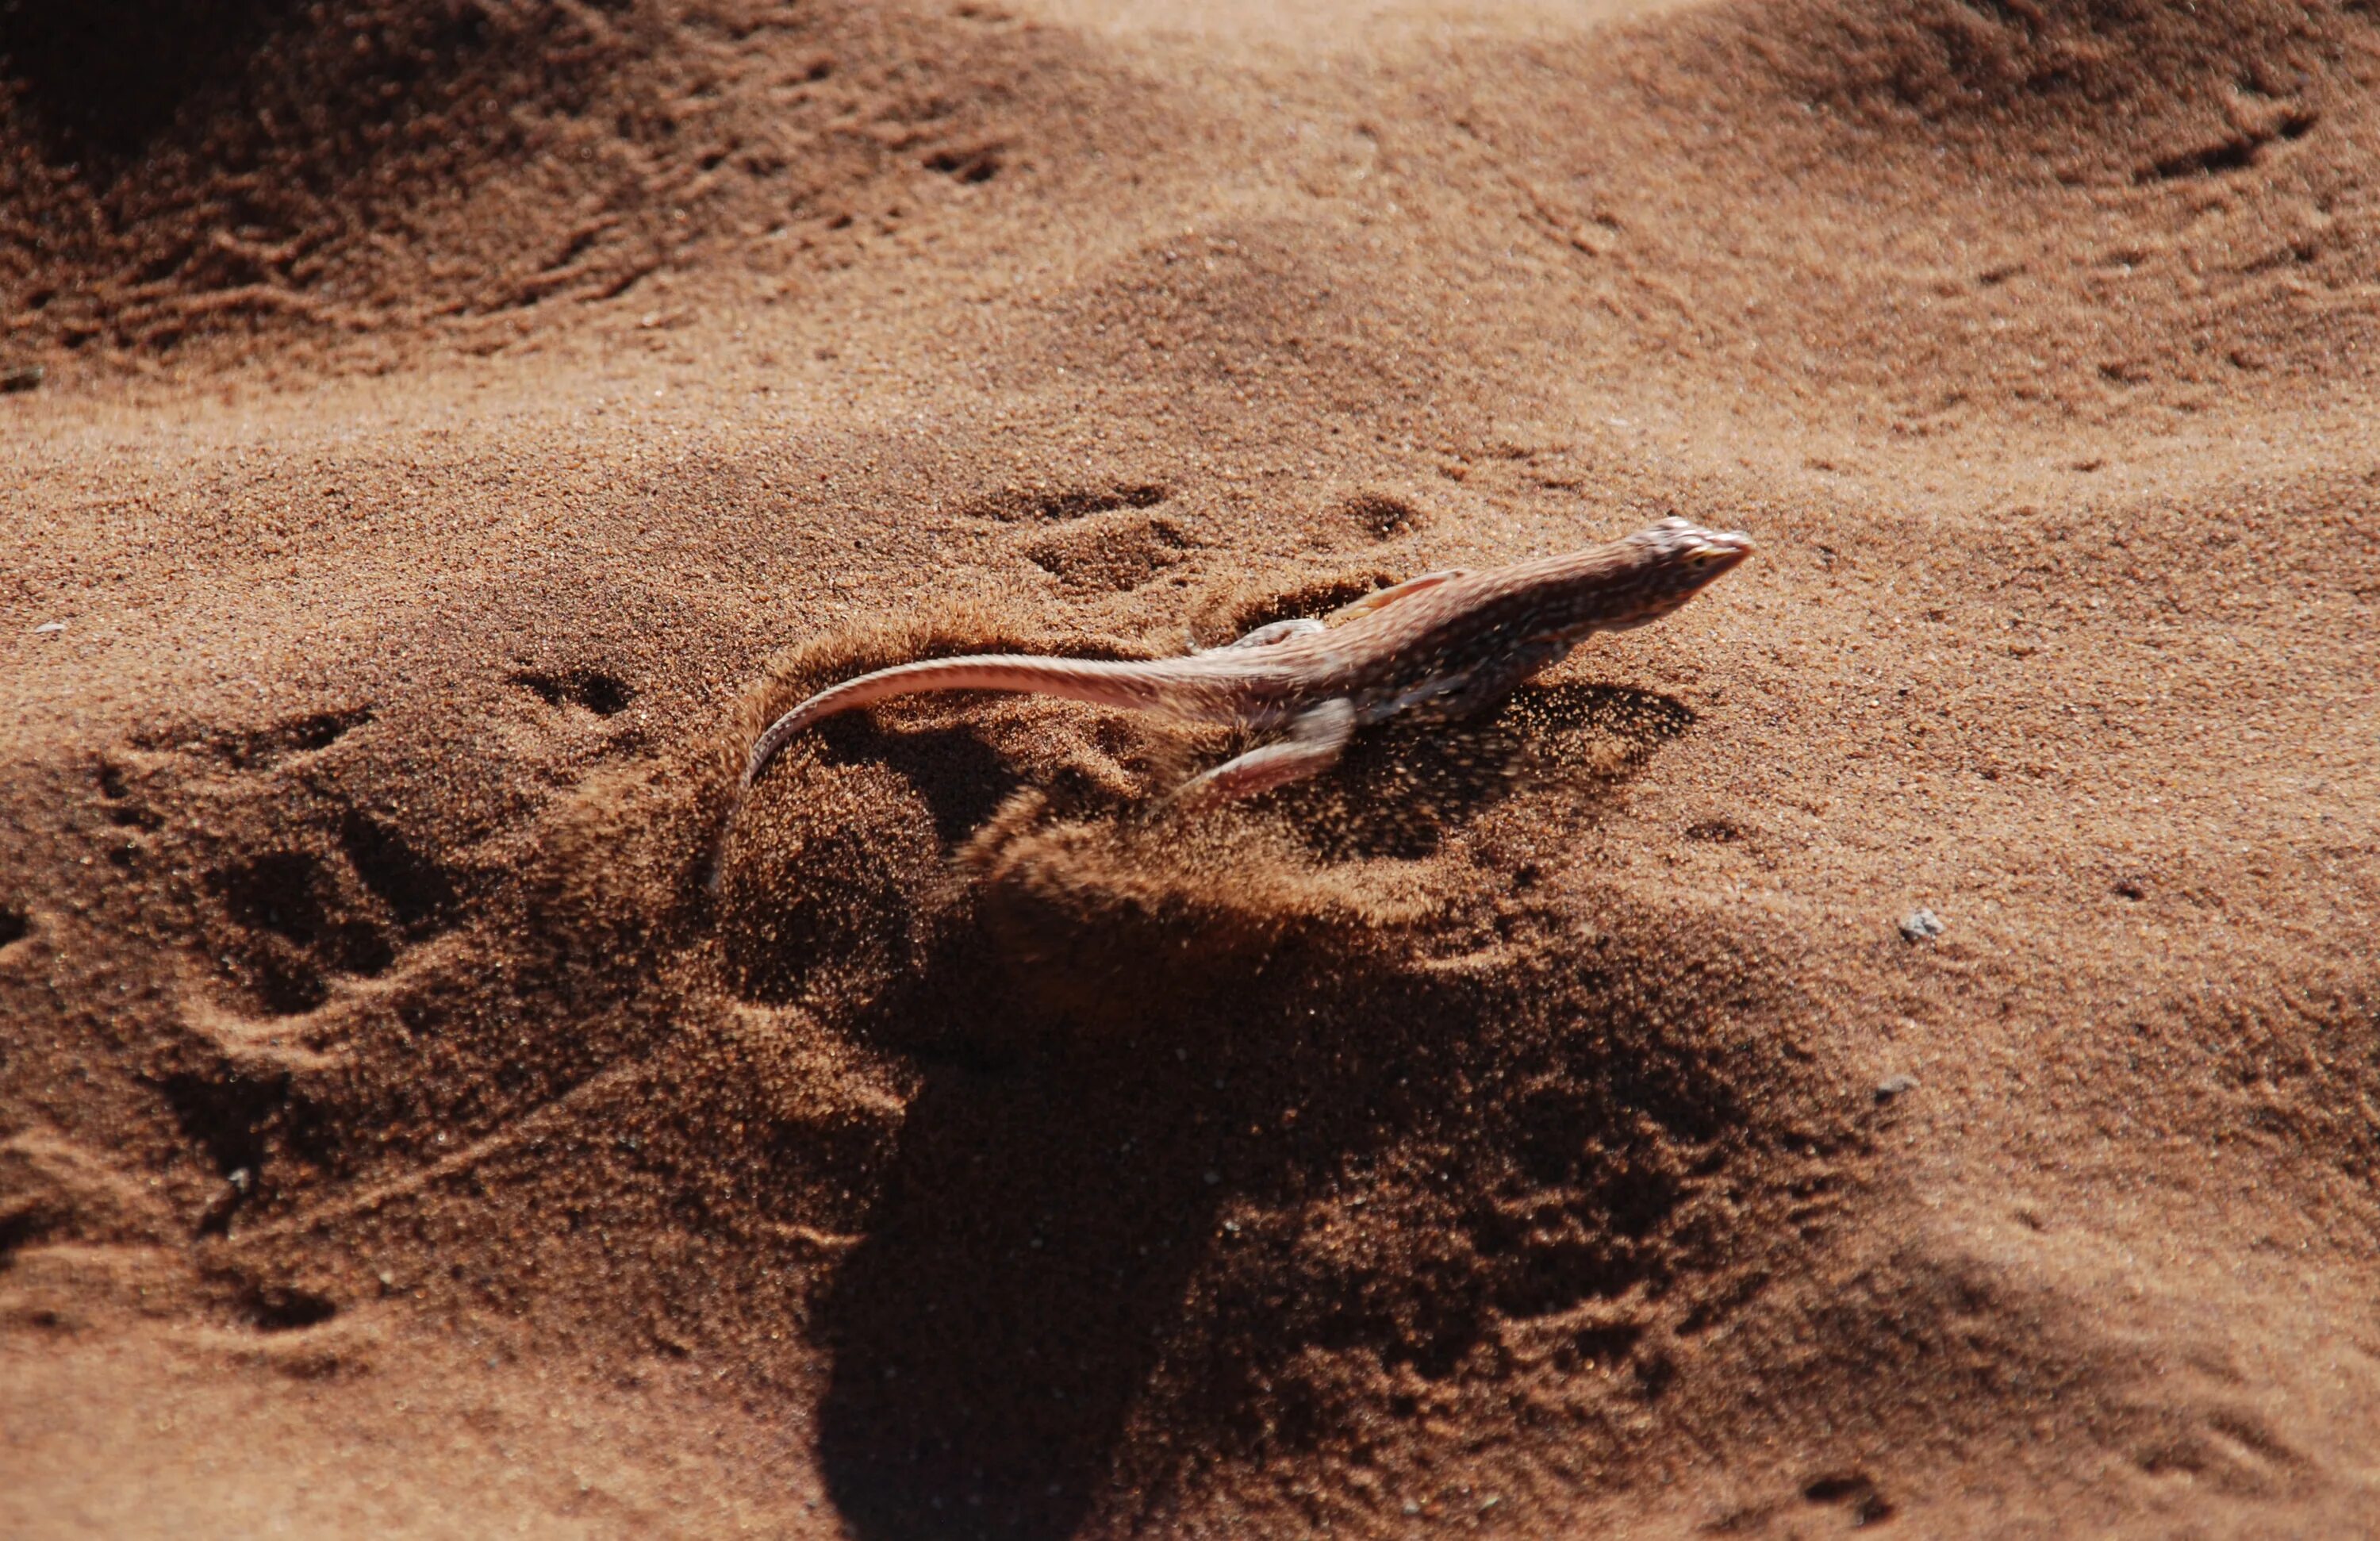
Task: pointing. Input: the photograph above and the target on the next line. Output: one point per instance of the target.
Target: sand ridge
(465, 423)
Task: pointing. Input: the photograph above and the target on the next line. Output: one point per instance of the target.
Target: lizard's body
(1449, 644)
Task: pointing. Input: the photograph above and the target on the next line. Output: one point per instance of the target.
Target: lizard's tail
(1102, 682)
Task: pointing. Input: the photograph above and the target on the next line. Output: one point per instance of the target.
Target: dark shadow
(231, 1116)
(962, 778)
(1047, 1207)
(105, 77)
(1112, 1065)
(599, 691)
(1049, 507)
(302, 735)
(1402, 783)
(283, 1307)
(1029, 1249)
(291, 894)
(1054, 1245)
(418, 890)
(119, 86)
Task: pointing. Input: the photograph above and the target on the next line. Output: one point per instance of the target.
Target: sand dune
(461, 424)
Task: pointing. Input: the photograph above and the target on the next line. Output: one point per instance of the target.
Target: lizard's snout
(1714, 552)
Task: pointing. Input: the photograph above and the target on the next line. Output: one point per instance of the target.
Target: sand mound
(265, 169)
(1925, 214)
(1556, 1124)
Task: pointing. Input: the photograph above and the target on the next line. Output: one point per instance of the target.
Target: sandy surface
(462, 422)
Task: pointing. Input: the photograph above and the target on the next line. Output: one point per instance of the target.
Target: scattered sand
(463, 421)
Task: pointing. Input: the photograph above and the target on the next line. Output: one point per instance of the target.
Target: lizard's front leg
(1316, 738)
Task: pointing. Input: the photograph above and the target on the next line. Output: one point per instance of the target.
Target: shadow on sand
(1095, 1101)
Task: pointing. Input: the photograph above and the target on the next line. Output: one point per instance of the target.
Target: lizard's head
(1675, 560)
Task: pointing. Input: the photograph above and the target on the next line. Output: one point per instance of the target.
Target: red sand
(463, 422)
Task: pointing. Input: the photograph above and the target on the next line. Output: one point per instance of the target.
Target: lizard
(1445, 645)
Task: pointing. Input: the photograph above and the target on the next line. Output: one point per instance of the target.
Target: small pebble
(1895, 1086)
(1920, 925)
(49, 629)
